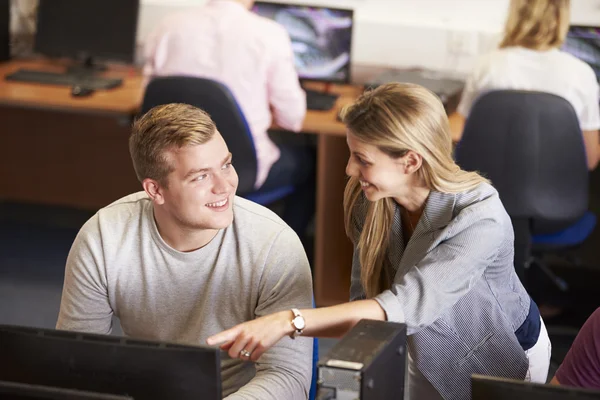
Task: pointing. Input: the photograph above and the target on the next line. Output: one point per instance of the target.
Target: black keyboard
(320, 101)
(63, 79)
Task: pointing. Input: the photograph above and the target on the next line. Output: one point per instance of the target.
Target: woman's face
(380, 175)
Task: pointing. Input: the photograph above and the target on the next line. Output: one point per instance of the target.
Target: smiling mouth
(364, 184)
(218, 204)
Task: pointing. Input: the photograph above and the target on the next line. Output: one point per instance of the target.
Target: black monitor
(141, 369)
(489, 388)
(23, 391)
(87, 30)
(321, 38)
(584, 43)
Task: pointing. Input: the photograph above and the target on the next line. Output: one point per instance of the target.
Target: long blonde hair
(396, 118)
(536, 24)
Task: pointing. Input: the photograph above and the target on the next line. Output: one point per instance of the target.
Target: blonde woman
(433, 249)
(529, 58)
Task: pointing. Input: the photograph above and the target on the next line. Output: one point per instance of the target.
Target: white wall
(443, 35)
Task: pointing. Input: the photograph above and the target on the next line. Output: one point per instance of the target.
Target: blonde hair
(536, 24)
(396, 118)
(163, 128)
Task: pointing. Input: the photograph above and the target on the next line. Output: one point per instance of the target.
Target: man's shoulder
(265, 23)
(117, 213)
(247, 214)
(266, 30)
(134, 202)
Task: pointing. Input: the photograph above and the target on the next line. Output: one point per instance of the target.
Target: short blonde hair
(397, 118)
(163, 128)
(536, 24)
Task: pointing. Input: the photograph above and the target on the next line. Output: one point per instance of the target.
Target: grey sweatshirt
(119, 265)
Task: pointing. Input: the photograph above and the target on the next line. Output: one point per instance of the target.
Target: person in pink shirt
(253, 57)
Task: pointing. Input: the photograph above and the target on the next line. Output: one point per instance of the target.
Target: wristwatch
(298, 323)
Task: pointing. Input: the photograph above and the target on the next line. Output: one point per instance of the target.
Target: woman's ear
(412, 162)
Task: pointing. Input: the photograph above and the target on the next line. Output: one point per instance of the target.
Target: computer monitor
(584, 43)
(109, 364)
(87, 30)
(489, 388)
(321, 38)
(22, 391)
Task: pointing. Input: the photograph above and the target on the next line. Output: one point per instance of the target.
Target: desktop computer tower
(4, 30)
(368, 363)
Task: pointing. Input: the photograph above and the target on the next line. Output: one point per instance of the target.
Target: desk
(66, 151)
(122, 101)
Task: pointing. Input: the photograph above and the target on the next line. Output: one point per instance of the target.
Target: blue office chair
(530, 146)
(315, 370)
(218, 101)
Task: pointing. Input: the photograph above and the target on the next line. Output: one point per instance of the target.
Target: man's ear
(412, 162)
(154, 190)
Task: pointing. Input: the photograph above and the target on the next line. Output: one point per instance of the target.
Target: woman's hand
(248, 341)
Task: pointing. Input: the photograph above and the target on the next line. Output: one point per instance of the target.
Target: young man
(185, 258)
(251, 55)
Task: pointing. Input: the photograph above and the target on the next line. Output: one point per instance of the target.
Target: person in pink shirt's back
(253, 57)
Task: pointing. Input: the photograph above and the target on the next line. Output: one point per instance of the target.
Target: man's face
(201, 187)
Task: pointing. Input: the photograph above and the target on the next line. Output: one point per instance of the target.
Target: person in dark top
(581, 366)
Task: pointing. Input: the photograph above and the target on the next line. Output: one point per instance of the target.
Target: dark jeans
(297, 167)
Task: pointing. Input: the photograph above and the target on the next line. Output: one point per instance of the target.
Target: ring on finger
(245, 353)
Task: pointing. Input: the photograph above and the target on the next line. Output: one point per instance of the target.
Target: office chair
(315, 370)
(530, 146)
(218, 101)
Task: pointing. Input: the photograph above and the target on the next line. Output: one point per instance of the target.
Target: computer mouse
(81, 91)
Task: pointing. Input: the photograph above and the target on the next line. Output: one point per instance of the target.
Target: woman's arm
(259, 335)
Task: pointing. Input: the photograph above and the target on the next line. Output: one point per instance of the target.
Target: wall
(442, 35)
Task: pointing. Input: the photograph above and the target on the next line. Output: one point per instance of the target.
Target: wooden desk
(122, 101)
(62, 150)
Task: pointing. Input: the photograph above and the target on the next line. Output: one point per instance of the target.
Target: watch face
(299, 323)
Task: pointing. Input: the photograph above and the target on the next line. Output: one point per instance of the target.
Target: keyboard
(320, 101)
(63, 79)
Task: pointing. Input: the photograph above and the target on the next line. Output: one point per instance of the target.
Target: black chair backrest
(216, 99)
(530, 146)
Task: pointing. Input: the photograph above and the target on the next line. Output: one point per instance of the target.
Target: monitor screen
(321, 38)
(488, 388)
(103, 29)
(109, 364)
(23, 391)
(584, 43)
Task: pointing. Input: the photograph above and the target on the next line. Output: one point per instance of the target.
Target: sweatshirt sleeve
(285, 370)
(84, 305)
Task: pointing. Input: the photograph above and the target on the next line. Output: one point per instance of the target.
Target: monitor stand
(87, 66)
